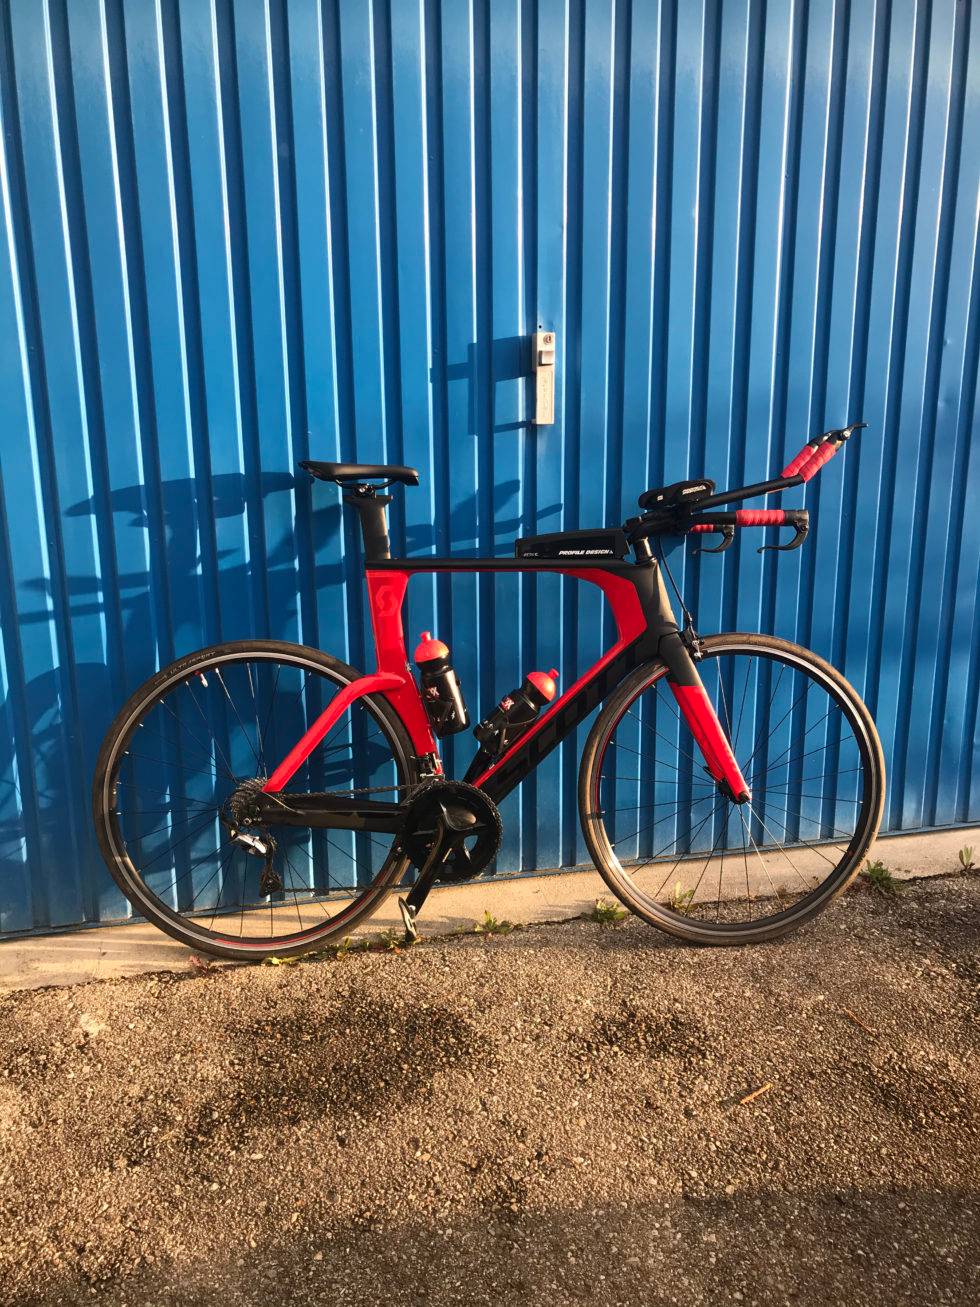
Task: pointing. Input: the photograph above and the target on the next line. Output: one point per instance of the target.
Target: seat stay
(330, 716)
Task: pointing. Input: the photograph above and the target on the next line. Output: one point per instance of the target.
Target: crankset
(466, 817)
(451, 831)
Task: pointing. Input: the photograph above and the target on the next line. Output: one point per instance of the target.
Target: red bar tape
(823, 454)
(760, 516)
(803, 457)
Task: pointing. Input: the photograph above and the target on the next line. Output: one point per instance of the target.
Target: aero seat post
(374, 522)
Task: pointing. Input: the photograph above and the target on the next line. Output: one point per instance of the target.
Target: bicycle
(260, 798)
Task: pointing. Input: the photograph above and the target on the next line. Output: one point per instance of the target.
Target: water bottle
(516, 712)
(441, 693)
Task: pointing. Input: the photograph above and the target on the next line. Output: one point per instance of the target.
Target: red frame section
(702, 720)
(394, 679)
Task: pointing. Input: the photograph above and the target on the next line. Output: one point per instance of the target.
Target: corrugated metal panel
(239, 233)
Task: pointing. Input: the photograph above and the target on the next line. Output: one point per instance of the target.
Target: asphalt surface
(561, 1115)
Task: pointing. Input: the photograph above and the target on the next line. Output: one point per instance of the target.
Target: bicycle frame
(646, 629)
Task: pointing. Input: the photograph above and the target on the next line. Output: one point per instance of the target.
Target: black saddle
(343, 473)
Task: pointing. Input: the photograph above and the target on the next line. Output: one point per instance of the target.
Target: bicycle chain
(370, 789)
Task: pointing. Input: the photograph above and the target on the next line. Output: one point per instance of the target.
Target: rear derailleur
(238, 812)
(451, 832)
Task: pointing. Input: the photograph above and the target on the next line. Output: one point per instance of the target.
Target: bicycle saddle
(343, 473)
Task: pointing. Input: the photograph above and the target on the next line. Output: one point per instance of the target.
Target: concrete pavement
(107, 952)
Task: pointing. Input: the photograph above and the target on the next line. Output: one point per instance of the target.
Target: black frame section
(661, 639)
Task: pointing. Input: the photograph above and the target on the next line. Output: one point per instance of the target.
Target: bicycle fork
(702, 720)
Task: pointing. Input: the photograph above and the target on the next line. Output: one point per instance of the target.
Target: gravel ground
(552, 1117)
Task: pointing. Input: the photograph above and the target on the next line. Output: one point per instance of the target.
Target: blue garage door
(240, 233)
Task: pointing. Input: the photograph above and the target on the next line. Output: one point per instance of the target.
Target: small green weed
(876, 876)
(965, 856)
(346, 947)
(389, 941)
(276, 961)
(680, 899)
(491, 926)
(607, 914)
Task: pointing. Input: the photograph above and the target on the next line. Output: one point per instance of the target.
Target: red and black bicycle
(261, 798)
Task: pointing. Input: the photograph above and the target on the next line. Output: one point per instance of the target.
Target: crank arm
(411, 905)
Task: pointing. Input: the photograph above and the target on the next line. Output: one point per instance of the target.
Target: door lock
(543, 364)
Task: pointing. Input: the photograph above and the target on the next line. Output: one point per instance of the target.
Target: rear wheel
(182, 746)
(686, 858)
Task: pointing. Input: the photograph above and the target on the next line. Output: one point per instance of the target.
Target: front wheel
(182, 748)
(686, 858)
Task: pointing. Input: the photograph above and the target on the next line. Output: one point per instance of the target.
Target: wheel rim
(694, 861)
(184, 750)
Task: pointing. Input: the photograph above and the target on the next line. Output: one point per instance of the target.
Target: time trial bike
(261, 798)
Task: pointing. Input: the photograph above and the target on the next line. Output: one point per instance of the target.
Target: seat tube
(702, 720)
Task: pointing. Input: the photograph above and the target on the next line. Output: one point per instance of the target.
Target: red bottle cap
(429, 650)
(545, 683)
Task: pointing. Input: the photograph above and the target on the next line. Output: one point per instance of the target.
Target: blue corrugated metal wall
(236, 234)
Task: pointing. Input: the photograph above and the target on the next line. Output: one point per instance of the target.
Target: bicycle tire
(676, 921)
(126, 722)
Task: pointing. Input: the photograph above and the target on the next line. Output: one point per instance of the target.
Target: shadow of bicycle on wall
(277, 561)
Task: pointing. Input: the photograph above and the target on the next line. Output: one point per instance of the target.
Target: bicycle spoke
(789, 793)
(147, 789)
(721, 872)
(657, 762)
(184, 751)
(758, 854)
(707, 862)
(655, 732)
(772, 700)
(680, 856)
(644, 780)
(272, 702)
(217, 746)
(780, 846)
(228, 772)
(263, 770)
(182, 841)
(745, 686)
(234, 708)
(169, 825)
(655, 824)
(635, 807)
(778, 761)
(175, 839)
(800, 794)
(146, 757)
(289, 863)
(222, 867)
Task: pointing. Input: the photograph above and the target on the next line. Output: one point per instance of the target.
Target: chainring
(473, 851)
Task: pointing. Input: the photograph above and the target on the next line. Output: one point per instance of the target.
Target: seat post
(374, 521)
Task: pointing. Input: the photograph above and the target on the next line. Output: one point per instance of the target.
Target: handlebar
(725, 523)
(680, 509)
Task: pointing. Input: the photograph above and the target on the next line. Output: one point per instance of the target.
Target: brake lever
(728, 534)
(801, 533)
